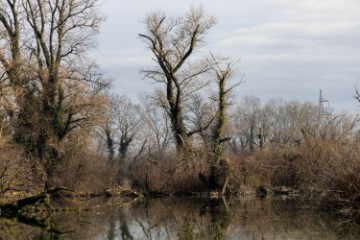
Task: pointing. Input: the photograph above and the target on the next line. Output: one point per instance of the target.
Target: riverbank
(325, 173)
(59, 199)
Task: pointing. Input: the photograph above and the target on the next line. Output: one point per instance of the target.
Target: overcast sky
(289, 49)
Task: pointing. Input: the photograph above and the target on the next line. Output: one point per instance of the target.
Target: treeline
(59, 126)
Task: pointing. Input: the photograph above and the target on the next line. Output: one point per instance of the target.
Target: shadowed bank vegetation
(188, 218)
(59, 126)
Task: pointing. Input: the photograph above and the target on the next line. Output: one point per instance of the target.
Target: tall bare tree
(43, 59)
(172, 40)
(224, 72)
(223, 75)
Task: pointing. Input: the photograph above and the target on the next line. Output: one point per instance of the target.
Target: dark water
(185, 218)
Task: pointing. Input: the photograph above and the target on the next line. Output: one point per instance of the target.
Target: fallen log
(16, 207)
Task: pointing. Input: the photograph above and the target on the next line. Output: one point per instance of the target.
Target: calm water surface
(186, 218)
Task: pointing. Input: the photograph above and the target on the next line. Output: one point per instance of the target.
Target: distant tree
(125, 121)
(248, 118)
(172, 40)
(157, 127)
(120, 132)
(290, 119)
(357, 94)
(200, 114)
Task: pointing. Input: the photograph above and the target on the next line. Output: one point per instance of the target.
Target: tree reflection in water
(187, 218)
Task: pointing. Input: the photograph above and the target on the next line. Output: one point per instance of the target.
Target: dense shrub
(169, 173)
(326, 172)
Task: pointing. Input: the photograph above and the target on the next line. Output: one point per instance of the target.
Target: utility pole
(321, 104)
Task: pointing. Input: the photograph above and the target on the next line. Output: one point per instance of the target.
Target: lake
(185, 218)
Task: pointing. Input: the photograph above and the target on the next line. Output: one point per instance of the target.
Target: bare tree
(357, 94)
(224, 71)
(126, 121)
(120, 131)
(249, 113)
(157, 127)
(172, 40)
(42, 54)
(201, 114)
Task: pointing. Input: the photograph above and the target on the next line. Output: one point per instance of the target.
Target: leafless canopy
(172, 40)
(49, 87)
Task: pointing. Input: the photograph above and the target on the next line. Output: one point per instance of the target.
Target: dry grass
(332, 172)
(85, 172)
(327, 172)
(19, 173)
(168, 173)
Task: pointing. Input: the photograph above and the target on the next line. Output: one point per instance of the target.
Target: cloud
(288, 48)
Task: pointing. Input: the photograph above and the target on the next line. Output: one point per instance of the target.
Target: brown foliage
(19, 174)
(85, 172)
(325, 171)
(169, 173)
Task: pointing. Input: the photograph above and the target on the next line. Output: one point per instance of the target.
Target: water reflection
(186, 218)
